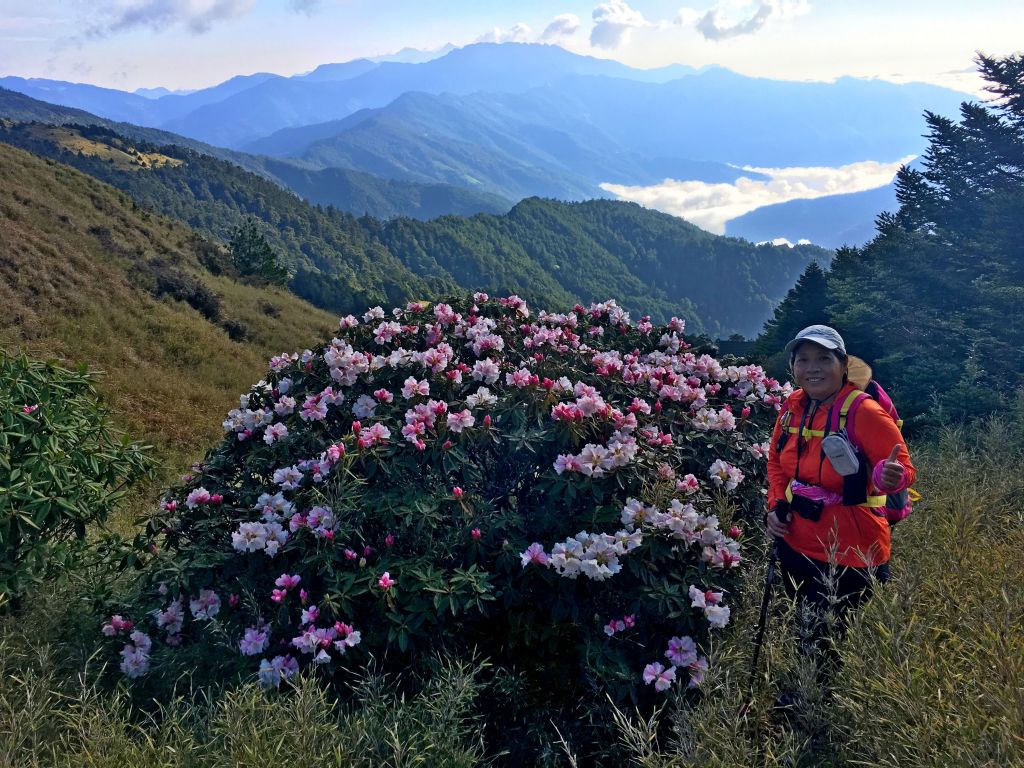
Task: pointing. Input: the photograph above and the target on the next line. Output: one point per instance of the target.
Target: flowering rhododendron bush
(546, 490)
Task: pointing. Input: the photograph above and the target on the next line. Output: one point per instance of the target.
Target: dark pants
(825, 594)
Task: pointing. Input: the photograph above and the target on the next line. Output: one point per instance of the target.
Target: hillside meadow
(86, 277)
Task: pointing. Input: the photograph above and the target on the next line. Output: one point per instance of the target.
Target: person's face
(817, 370)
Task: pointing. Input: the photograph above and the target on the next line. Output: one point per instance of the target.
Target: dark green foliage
(936, 301)
(366, 195)
(806, 304)
(62, 468)
(252, 255)
(169, 281)
(651, 262)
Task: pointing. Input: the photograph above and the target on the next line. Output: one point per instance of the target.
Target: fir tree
(805, 304)
(253, 256)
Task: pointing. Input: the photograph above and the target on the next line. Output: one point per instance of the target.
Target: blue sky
(194, 43)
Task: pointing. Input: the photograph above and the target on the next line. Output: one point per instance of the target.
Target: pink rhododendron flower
(273, 671)
(116, 626)
(197, 497)
(534, 554)
(460, 420)
(347, 637)
(412, 388)
(206, 605)
(135, 655)
(698, 669)
(682, 651)
(476, 534)
(724, 475)
(286, 581)
(274, 433)
(661, 678)
(385, 582)
(310, 615)
(255, 641)
(172, 617)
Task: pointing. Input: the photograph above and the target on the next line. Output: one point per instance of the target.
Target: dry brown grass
(74, 258)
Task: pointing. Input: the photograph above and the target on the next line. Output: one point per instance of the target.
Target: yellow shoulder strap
(844, 410)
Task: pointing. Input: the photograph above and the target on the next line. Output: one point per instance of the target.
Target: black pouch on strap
(855, 486)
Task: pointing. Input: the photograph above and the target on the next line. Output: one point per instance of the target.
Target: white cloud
(563, 26)
(518, 33)
(710, 206)
(613, 22)
(784, 241)
(734, 18)
(712, 28)
(307, 7)
(195, 15)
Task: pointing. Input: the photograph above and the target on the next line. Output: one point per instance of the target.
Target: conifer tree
(805, 304)
(253, 256)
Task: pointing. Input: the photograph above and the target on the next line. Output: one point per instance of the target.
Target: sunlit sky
(129, 44)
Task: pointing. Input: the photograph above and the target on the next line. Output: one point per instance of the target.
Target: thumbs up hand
(892, 470)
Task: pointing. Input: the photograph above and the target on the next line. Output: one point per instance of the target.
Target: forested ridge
(936, 300)
(551, 253)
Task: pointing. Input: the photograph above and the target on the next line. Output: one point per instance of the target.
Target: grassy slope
(75, 263)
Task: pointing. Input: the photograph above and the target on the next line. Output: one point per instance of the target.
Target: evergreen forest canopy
(551, 253)
(936, 301)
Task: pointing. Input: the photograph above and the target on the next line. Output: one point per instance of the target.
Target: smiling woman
(828, 519)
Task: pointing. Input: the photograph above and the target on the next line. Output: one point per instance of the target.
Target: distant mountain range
(512, 120)
(353, 191)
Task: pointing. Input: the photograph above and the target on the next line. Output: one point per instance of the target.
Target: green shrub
(62, 467)
(550, 491)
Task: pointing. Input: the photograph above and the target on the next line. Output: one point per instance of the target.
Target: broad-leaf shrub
(544, 488)
(62, 467)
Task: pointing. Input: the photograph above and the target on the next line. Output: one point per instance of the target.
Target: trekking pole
(782, 512)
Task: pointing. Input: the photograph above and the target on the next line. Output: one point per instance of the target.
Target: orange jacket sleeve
(777, 479)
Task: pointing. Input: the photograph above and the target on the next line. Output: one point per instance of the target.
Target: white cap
(827, 337)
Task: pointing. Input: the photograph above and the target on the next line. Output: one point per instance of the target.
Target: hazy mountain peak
(341, 71)
(414, 55)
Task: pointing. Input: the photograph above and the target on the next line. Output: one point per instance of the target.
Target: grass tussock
(49, 718)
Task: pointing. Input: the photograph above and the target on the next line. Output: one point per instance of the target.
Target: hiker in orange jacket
(832, 533)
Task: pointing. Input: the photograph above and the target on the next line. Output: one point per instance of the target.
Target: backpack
(897, 505)
(894, 506)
